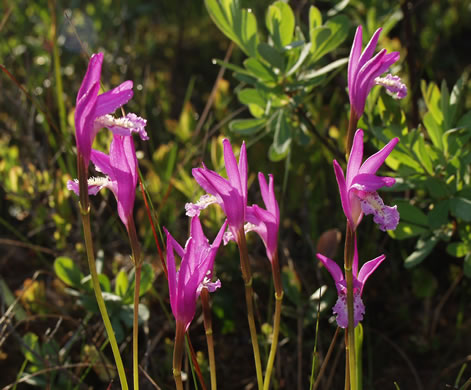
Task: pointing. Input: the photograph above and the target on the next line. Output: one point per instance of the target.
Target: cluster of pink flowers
(358, 188)
(93, 112)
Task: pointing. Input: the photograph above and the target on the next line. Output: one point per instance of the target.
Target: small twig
(326, 360)
(438, 309)
(149, 378)
(307, 121)
(333, 370)
(36, 248)
(400, 351)
(50, 369)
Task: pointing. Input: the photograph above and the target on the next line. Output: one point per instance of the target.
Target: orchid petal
(354, 57)
(371, 183)
(356, 157)
(108, 102)
(92, 76)
(124, 163)
(332, 267)
(368, 268)
(372, 163)
(344, 197)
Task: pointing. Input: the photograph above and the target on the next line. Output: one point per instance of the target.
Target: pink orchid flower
(358, 190)
(230, 194)
(264, 222)
(359, 280)
(364, 71)
(93, 111)
(120, 168)
(195, 273)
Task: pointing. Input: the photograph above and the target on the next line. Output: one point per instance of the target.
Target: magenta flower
(195, 273)
(92, 110)
(358, 191)
(120, 168)
(264, 222)
(230, 194)
(359, 280)
(364, 71)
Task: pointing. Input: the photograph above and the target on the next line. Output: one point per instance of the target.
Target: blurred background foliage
(417, 322)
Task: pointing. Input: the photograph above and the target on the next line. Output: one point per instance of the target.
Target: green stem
(247, 276)
(178, 355)
(276, 321)
(350, 346)
(135, 330)
(136, 258)
(208, 327)
(85, 212)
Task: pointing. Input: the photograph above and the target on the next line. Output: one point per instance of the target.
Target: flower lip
(359, 280)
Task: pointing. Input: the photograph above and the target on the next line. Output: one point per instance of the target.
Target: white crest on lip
(394, 86)
(193, 209)
(125, 125)
(386, 217)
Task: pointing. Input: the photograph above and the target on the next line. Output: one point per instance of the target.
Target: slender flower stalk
(137, 261)
(178, 354)
(247, 276)
(266, 224)
(120, 168)
(208, 327)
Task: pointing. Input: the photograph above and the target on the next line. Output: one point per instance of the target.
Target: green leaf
(147, 278)
(458, 249)
(324, 70)
(282, 137)
(432, 96)
(423, 154)
(302, 57)
(461, 208)
(315, 17)
(326, 38)
(121, 284)
(422, 249)
(104, 282)
(238, 24)
(437, 188)
(406, 230)
(438, 216)
(445, 106)
(280, 23)
(259, 70)
(271, 55)
(251, 96)
(31, 349)
(434, 130)
(67, 271)
(410, 213)
(247, 126)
